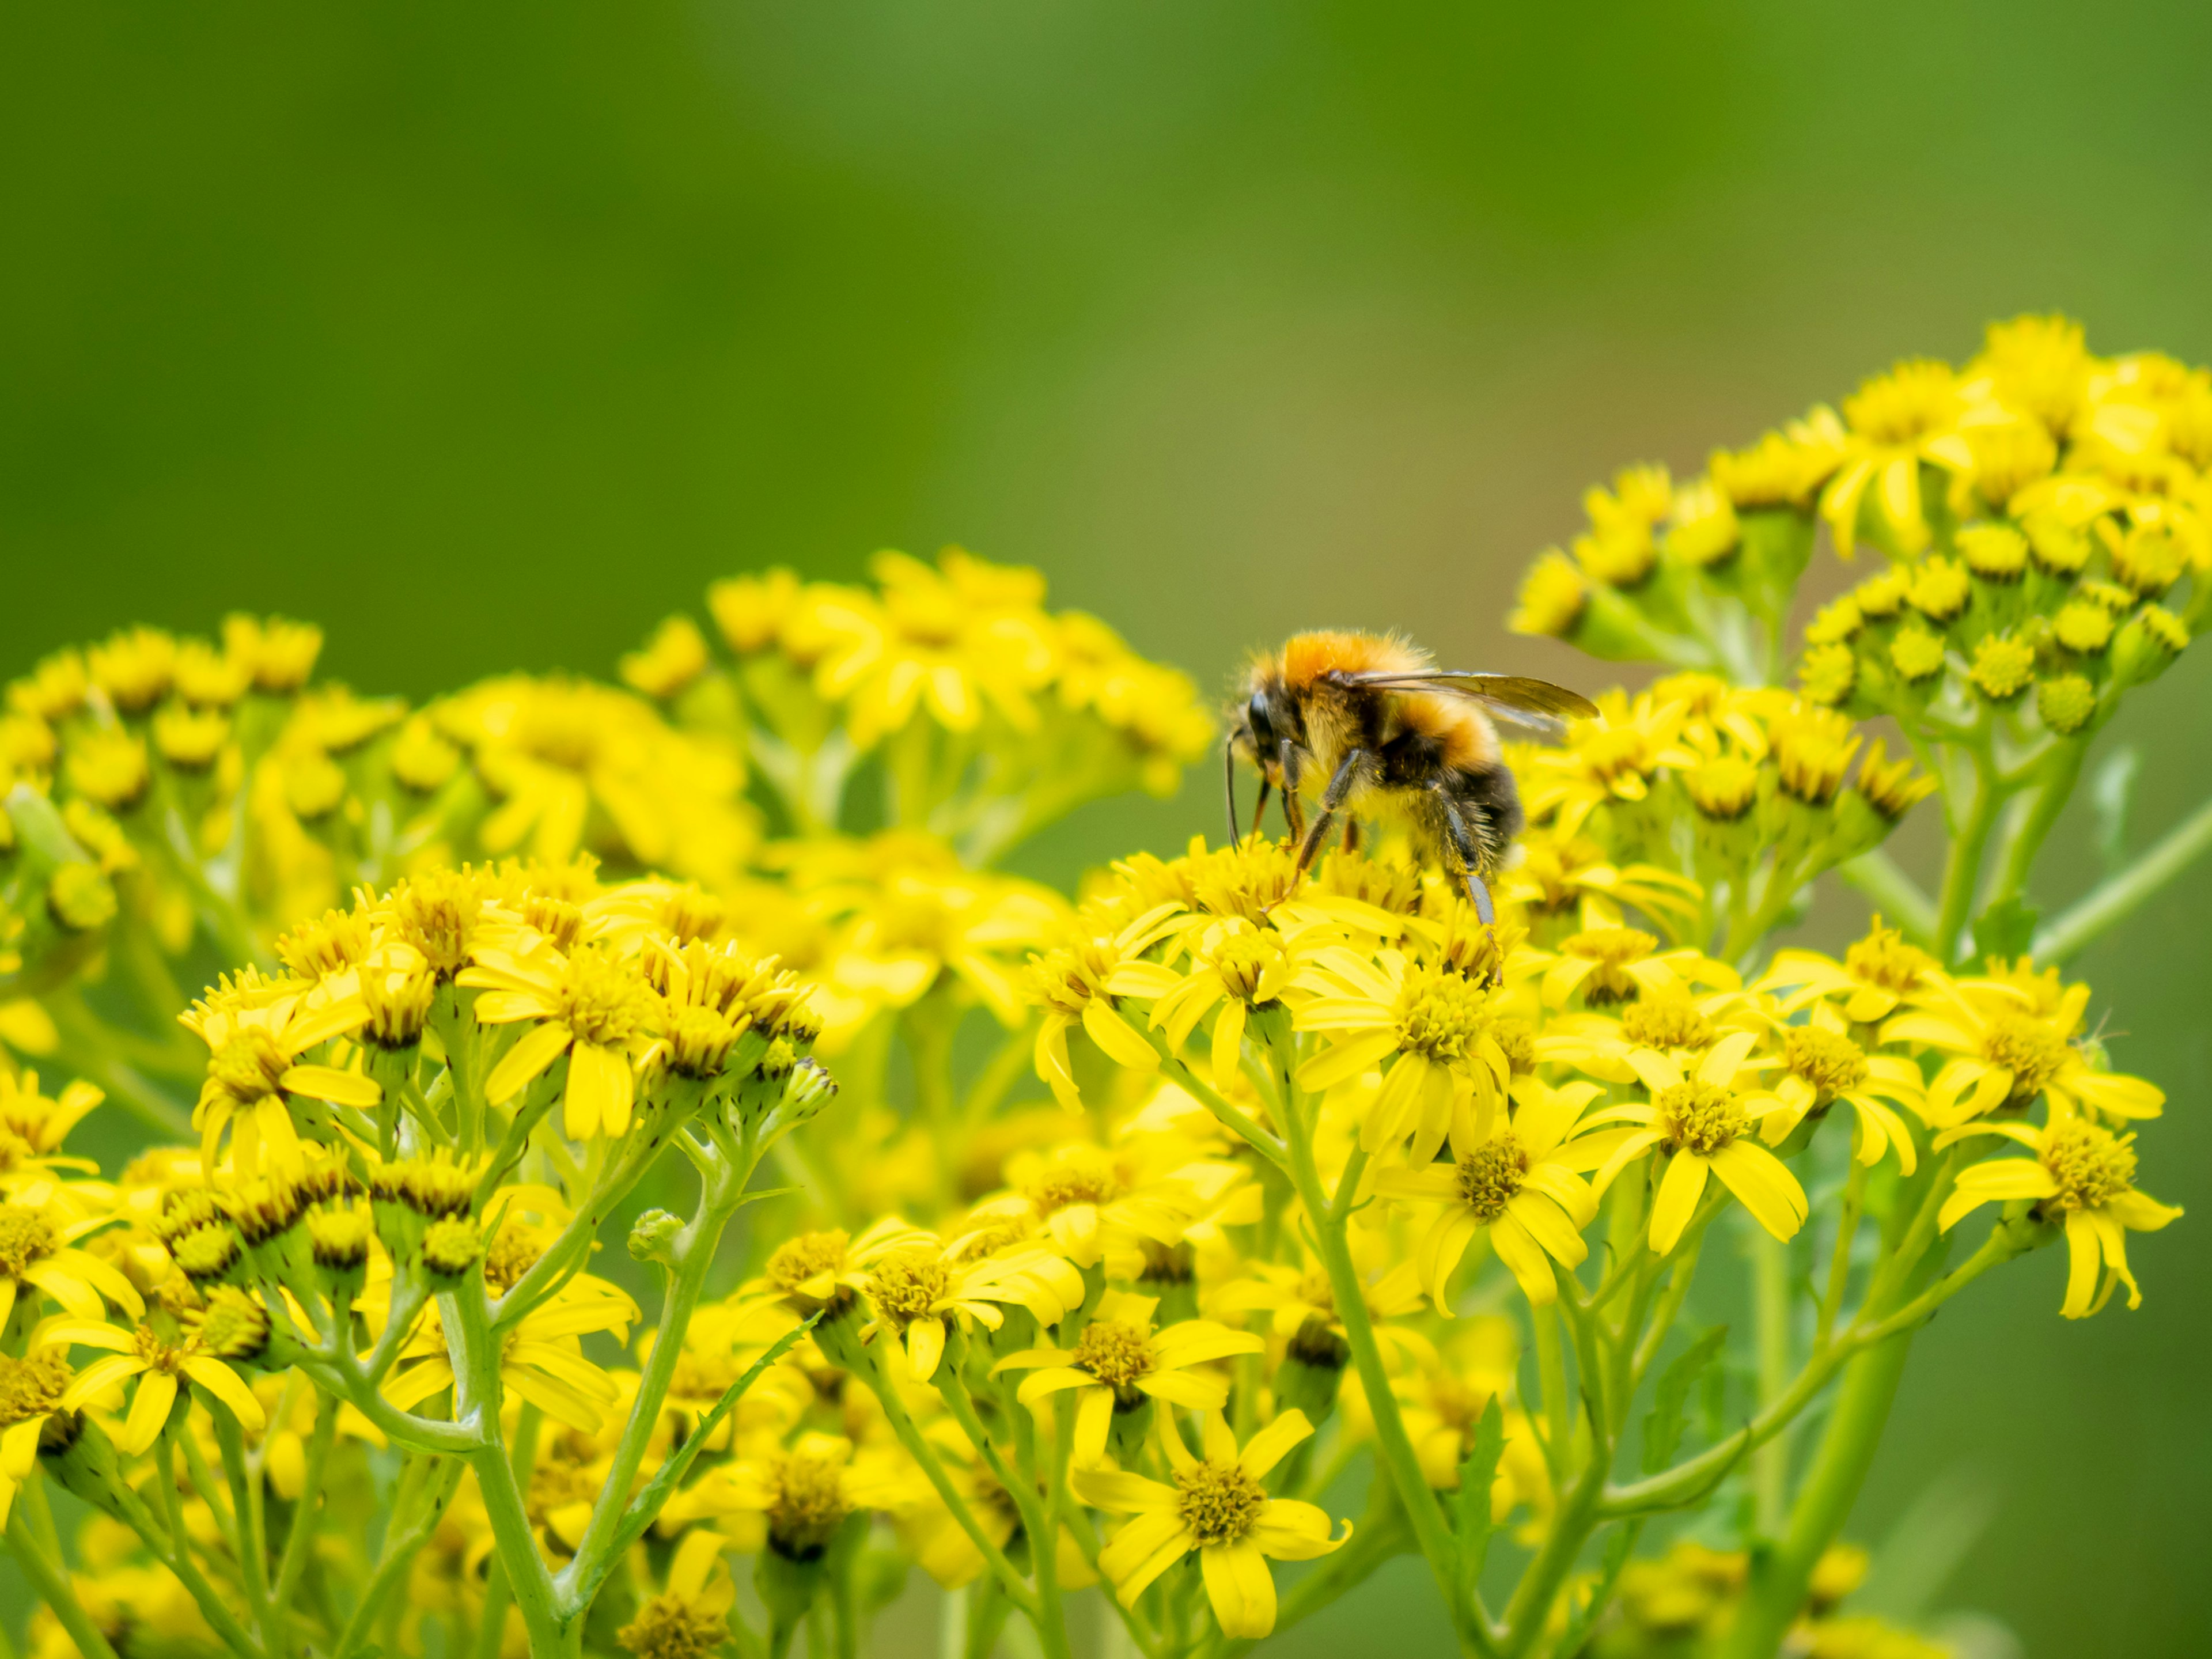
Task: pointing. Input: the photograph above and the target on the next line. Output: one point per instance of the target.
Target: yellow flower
(1120, 1360)
(1091, 1202)
(32, 1127)
(1551, 597)
(1236, 966)
(1518, 1184)
(1877, 974)
(1558, 870)
(942, 1548)
(1302, 1312)
(2008, 1048)
(30, 1393)
(2083, 1175)
(256, 1031)
(598, 1011)
(1706, 1126)
(689, 1619)
(1610, 963)
(1821, 1065)
(1443, 1404)
(161, 1368)
(948, 639)
(1896, 421)
(917, 1290)
(1080, 984)
(802, 1495)
(1438, 1025)
(1614, 757)
(37, 1250)
(1218, 1507)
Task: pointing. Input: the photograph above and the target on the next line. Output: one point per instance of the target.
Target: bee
(1394, 737)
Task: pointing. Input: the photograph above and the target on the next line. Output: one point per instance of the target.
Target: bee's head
(1267, 717)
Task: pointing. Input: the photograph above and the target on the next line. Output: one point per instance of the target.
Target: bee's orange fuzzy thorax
(1307, 657)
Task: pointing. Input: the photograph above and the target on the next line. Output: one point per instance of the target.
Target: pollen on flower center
(158, 1355)
(671, 1627)
(25, 1236)
(1491, 1175)
(32, 1388)
(809, 1507)
(1219, 1502)
(1116, 1353)
(1440, 1014)
(797, 1260)
(1666, 1022)
(1883, 959)
(906, 1288)
(1831, 1064)
(1699, 1117)
(1073, 1183)
(2091, 1164)
(1243, 963)
(248, 1065)
(1612, 949)
(2028, 1048)
(600, 1001)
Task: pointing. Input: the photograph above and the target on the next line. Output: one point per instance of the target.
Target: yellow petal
(226, 1385)
(1241, 1587)
(537, 1050)
(150, 1411)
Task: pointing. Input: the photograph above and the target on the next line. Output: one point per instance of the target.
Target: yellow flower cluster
(1759, 776)
(2040, 506)
(938, 669)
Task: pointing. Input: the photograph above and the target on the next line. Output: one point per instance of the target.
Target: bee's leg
(1462, 840)
(1294, 806)
(1229, 778)
(1332, 803)
(1259, 813)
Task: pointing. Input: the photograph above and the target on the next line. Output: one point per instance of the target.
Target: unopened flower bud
(653, 1236)
(453, 1246)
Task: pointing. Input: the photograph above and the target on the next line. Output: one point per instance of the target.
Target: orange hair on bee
(1307, 657)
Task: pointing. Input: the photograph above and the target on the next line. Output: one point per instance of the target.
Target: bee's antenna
(1229, 778)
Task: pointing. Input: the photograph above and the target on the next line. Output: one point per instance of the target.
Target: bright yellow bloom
(1896, 421)
(255, 1030)
(1877, 974)
(690, 1616)
(2008, 1048)
(801, 1495)
(38, 1252)
(918, 1289)
(1821, 1065)
(1218, 1507)
(1120, 1359)
(31, 1394)
(598, 1011)
(2083, 1175)
(1516, 1184)
(1082, 983)
(1437, 1024)
(1236, 967)
(1706, 1126)
(161, 1368)
(1302, 1312)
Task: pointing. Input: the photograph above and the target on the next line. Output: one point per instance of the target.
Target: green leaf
(1476, 1477)
(1662, 1425)
(2006, 929)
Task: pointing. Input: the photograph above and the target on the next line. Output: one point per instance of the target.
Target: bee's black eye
(1256, 721)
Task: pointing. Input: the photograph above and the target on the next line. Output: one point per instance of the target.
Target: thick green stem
(1398, 1455)
(692, 1255)
(53, 1587)
(2116, 900)
(1771, 1310)
(401, 1538)
(2026, 836)
(1962, 866)
(1779, 1579)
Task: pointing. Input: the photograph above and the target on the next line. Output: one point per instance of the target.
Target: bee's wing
(1512, 694)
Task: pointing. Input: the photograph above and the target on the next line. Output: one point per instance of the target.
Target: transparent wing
(1512, 694)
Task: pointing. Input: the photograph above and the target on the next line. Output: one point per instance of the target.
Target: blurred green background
(486, 334)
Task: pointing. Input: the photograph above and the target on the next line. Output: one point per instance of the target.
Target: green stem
(2025, 837)
(871, 1371)
(179, 1561)
(499, 1594)
(1840, 1262)
(692, 1255)
(306, 1519)
(54, 1588)
(1962, 866)
(1398, 1455)
(400, 1543)
(2114, 901)
(1770, 1279)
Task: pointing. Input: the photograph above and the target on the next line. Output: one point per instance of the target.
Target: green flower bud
(2065, 703)
(654, 1237)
